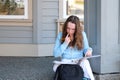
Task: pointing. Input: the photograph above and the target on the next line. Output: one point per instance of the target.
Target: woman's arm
(87, 49)
(59, 48)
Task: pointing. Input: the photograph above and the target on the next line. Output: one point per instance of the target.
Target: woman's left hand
(88, 53)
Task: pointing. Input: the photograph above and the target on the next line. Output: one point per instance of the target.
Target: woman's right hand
(67, 39)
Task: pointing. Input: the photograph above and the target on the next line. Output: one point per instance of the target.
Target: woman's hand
(67, 39)
(88, 53)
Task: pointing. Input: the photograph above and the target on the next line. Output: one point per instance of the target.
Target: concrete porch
(26, 68)
(35, 68)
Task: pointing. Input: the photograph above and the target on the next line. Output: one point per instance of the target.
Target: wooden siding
(45, 13)
(48, 26)
(9, 34)
(48, 34)
(50, 5)
(48, 40)
(49, 16)
(119, 26)
(119, 32)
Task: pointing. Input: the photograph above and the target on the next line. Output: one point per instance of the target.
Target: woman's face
(70, 28)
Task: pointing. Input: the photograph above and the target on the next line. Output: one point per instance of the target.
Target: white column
(102, 26)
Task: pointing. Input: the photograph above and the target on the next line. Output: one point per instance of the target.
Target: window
(14, 9)
(69, 7)
(16, 12)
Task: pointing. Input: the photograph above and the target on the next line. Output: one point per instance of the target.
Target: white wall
(29, 50)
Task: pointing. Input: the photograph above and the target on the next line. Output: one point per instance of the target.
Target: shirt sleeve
(58, 47)
(86, 44)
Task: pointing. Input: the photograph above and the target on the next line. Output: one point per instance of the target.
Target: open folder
(64, 62)
(94, 56)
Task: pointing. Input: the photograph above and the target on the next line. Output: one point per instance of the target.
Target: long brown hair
(78, 38)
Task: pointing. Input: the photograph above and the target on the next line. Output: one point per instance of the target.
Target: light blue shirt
(65, 52)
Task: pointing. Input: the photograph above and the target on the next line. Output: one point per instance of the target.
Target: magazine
(65, 62)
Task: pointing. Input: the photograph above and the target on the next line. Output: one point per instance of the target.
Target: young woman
(72, 44)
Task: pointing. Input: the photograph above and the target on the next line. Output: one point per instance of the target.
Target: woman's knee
(84, 62)
(55, 66)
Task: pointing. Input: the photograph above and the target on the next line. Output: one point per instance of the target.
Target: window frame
(25, 20)
(62, 10)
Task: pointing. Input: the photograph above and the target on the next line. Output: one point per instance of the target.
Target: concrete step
(26, 68)
(35, 68)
